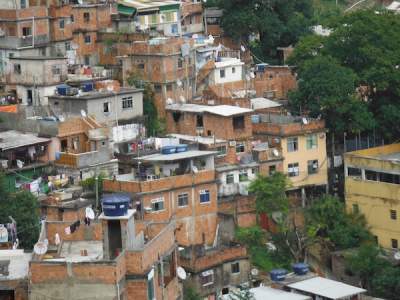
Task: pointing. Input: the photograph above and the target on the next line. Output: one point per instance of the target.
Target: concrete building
(106, 107)
(34, 78)
(372, 178)
(84, 149)
(167, 64)
(302, 142)
(192, 17)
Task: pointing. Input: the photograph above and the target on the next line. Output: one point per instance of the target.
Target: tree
(277, 23)
(190, 293)
(334, 227)
(270, 193)
(328, 90)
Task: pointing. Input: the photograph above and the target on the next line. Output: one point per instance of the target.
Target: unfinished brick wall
(279, 80)
(83, 233)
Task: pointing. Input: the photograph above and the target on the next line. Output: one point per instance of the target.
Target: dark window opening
(106, 107)
(26, 31)
(395, 244)
(86, 17)
(29, 97)
(225, 291)
(356, 209)
(62, 23)
(235, 267)
(354, 172)
(157, 88)
(238, 122)
(176, 115)
(199, 121)
(64, 145)
(312, 166)
(272, 170)
(393, 214)
(17, 68)
(114, 238)
(371, 175)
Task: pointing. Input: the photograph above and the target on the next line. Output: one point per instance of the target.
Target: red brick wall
(79, 235)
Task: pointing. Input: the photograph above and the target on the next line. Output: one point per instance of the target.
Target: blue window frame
(204, 196)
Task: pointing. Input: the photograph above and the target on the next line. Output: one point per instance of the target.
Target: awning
(126, 10)
(169, 7)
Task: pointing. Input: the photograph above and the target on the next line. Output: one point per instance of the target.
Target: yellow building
(372, 186)
(303, 145)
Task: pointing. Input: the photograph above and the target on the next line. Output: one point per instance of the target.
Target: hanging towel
(57, 239)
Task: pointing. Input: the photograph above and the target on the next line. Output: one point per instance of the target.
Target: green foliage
(242, 294)
(250, 236)
(278, 23)
(24, 208)
(270, 193)
(376, 273)
(89, 184)
(328, 89)
(334, 226)
(365, 42)
(190, 293)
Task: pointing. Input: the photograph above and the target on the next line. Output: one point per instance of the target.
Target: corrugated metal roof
(176, 156)
(221, 110)
(13, 139)
(143, 5)
(263, 292)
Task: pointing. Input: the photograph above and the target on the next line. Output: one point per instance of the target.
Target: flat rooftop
(18, 264)
(143, 5)
(38, 58)
(327, 288)
(262, 103)
(96, 94)
(198, 139)
(390, 153)
(264, 292)
(175, 156)
(220, 110)
(284, 119)
(13, 139)
(71, 251)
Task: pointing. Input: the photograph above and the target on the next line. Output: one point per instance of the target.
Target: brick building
(192, 17)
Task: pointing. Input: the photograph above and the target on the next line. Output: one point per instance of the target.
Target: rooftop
(220, 110)
(263, 292)
(327, 288)
(198, 139)
(175, 156)
(97, 94)
(261, 103)
(228, 61)
(143, 5)
(13, 139)
(38, 58)
(71, 251)
(18, 264)
(389, 153)
(284, 119)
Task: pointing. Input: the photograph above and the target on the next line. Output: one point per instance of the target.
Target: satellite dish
(248, 78)
(89, 213)
(170, 101)
(61, 118)
(182, 99)
(254, 272)
(305, 121)
(252, 75)
(397, 256)
(179, 83)
(40, 248)
(271, 246)
(181, 273)
(83, 113)
(275, 152)
(242, 48)
(195, 170)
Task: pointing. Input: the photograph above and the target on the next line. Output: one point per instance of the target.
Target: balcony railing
(82, 159)
(27, 41)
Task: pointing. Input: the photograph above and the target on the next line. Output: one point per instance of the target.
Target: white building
(227, 69)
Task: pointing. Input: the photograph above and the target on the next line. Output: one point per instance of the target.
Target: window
(199, 121)
(106, 107)
(240, 148)
(221, 150)
(238, 122)
(86, 16)
(293, 169)
(87, 59)
(183, 199)
(312, 166)
(87, 39)
(312, 142)
(157, 204)
(371, 175)
(17, 68)
(23, 3)
(26, 31)
(354, 172)
(272, 170)
(157, 88)
(169, 87)
(243, 175)
(235, 268)
(140, 66)
(230, 178)
(204, 196)
(395, 244)
(169, 16)
(62, 23)
(150, 285)
(180, 63)
(393, 214)
(153, 19)
(72, 18)
(292, 144)
(376, 239)
(127, 102)
(255, 171)
(56, 70)
(233, 70)
(207, 277)
(356, 209)
(67, 46)
(222, 73)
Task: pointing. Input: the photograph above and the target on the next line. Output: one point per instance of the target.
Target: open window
(199, 121)
(238, 122)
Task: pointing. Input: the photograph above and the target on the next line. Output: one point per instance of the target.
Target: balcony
(126, 183)
(212, 258)
(193, 28)
(27, 41)
(80, 160)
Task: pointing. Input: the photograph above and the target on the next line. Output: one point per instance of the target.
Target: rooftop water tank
(181, 148)
(278, 274)
(300, 268)
(168, 149)
(115, 205)
(87, 86)
(62, 89)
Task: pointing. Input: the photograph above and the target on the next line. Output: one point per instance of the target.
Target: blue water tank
(168, 149)
(255, 119)
(87, 86)
(62, 89)
(300, 268)
(115, 205)
(278, 274)
(181, 148)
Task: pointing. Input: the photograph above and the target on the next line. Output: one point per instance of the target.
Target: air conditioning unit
(148, 209)
(232, 143)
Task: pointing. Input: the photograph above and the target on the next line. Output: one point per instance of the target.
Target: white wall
(230, 76)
